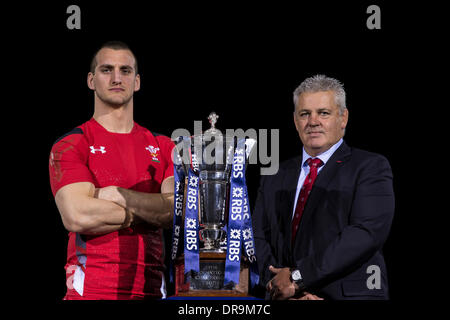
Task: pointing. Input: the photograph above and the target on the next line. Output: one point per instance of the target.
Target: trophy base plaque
(209, 281)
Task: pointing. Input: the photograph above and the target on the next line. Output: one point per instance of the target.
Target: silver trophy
(214, 175)
(212, 155)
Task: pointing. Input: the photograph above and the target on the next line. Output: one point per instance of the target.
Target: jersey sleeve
(68, 161)
(167, 149)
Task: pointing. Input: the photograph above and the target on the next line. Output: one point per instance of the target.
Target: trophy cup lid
(212, 118)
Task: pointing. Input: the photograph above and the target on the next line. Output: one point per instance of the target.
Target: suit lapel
(287, 202)
(339, 157)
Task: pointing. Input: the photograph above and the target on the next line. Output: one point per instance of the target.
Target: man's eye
(324, 113)
(126, 71)
(105, 70)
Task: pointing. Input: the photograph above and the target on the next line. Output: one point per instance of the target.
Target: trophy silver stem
(214, 207)
(212, 236)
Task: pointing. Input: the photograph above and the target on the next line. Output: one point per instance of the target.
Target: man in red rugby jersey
(113, 185)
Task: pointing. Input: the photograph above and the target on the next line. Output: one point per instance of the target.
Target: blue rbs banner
(239, 230)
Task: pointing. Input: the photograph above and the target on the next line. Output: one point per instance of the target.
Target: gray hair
(321, 82)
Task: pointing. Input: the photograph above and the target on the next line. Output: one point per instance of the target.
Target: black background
(242, 61)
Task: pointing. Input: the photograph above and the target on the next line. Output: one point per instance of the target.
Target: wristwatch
(296, 277)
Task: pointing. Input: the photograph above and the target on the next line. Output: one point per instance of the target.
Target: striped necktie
(314, 164)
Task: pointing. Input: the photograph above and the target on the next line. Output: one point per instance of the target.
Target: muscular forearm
(154, 208)
(101, 216)
(82, 212)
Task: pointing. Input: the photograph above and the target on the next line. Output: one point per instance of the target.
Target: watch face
(296, 275)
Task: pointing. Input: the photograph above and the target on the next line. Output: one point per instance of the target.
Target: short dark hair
(116, 45)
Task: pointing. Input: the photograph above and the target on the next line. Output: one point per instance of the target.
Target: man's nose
(116, 77)
(313, 119)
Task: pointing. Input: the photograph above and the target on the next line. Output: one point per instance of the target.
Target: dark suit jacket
(345, 223)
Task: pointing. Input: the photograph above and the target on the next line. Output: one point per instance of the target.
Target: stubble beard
(114, 103)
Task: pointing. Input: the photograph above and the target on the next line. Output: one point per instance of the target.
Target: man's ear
(344, 119)
(90, 81)
(295, 121)
(137, 83)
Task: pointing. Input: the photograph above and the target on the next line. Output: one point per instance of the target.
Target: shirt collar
(324, 156)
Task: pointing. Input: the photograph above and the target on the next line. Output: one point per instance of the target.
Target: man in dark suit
(321, 221)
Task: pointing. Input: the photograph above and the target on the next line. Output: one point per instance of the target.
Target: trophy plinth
(209, 281)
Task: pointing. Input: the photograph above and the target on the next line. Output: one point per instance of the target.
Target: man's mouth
(116, 89)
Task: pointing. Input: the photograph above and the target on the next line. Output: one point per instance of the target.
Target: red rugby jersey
(125, 264)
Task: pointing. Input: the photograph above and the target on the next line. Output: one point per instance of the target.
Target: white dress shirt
(324, 156)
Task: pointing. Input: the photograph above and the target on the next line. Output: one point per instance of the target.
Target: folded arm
(81, 212)
(153, 208)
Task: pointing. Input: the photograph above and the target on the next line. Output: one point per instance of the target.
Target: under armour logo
(101, 149)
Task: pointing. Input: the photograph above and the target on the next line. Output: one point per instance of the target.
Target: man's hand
(111, 193)
(281, 287)
(307, 296)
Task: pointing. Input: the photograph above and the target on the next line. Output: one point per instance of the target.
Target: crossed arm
(87, 210)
